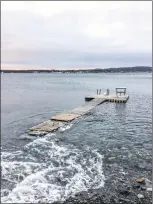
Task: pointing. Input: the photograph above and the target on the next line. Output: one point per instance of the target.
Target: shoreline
(93, 70)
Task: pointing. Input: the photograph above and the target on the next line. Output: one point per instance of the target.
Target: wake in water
(47, 171)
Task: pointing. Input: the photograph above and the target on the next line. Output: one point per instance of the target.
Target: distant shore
(91, 70)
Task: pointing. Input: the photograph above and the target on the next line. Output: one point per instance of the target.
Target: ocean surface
(112, 140)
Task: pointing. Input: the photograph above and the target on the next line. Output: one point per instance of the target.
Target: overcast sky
(77, 34)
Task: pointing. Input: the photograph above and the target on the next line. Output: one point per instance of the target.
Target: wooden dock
(46, 126)
(60, 120)
(110, 98)
(88, 106)
(65, 117)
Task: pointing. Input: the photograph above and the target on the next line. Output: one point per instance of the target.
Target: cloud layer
(100, 34)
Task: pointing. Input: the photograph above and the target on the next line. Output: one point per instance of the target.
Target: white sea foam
(62, 129)
(8, 155)
(65, 171)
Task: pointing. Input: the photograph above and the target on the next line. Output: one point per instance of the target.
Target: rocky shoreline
(126, 182)
(118, 193)
(120, 190)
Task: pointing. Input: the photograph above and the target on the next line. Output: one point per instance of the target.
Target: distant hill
(95, 70)
(128, 69)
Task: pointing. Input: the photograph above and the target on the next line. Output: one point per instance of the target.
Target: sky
(76, 34)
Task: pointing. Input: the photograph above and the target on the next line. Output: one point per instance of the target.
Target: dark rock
(143, 188)
(125, 200)
(124, 190)
(136, 185)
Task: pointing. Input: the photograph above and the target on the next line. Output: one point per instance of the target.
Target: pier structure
(119, 97)
(60, 120)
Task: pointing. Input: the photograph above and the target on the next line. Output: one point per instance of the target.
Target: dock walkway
(88, 106)
(57, 121)
(110, 98)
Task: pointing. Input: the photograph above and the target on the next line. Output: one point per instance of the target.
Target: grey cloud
(62, 40)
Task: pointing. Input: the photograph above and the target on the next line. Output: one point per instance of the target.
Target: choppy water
(84, 154)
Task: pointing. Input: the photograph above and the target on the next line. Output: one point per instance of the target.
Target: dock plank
(113, 98)
(47, 126)
(66, 117)
(88, 106)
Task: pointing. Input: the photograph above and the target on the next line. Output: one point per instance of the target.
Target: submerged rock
(56, 140)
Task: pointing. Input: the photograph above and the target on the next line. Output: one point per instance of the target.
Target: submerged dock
(60, 120)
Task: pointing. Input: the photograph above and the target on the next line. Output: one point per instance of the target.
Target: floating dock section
(112, 98)
(119, 97)
(63, 119)
(88, 106)
(60, 120)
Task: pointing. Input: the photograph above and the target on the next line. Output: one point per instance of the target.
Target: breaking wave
(66, 127)
(48, 171)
